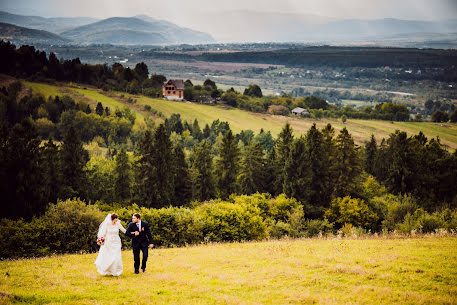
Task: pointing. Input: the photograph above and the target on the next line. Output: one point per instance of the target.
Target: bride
(109, 259)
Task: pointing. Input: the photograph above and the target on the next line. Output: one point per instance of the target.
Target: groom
(140, 233)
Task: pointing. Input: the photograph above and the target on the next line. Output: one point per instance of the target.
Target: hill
(19, 34)
(54, 25)
(120, 30)
(332, 271)
(239, 120)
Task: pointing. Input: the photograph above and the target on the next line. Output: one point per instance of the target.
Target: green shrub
(279, 229)
(67, 227)
(225, 221)
(314, 227)
(396, 209)
(352, 211)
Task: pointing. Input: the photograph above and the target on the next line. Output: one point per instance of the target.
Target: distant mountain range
(255, 26)
(245, 26)
(25, 35)
(117, 30)
(54, 25)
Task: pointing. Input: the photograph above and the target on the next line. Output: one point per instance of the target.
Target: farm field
(323, 271)
(238, 119)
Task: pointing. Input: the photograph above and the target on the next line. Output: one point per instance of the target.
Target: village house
(300, 111)
(173, 89)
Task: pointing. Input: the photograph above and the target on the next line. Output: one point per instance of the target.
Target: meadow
(417, 270)
(361, 130)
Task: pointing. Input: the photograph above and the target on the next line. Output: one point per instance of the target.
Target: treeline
(336, 96)
(252, 99)
(369, 57)
(315, 168)
(27, 62)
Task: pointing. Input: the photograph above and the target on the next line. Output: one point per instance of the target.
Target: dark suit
(140, 242)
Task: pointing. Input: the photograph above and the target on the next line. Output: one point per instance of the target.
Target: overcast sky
(200, 14)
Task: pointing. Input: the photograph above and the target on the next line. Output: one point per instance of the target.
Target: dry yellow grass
(334, 271)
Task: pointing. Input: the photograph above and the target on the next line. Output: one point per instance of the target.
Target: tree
(20, 175)
(210, 83)
(282, 150)
(252, 169)
(319, 187)
(454, 116)
(162, 161)
(253, 90)
(265, 139)
(181, 179)
(344, 118)
(73, 157)
(142, 71)
(122, 177)
(196, 131)
(397, 171)
(144, 171)
(370, 155)
(50, 167)
(188, 83)
(296, 172)
(226, 169)
(347, 165)
(440, 116)
(203, 187)
(99, 109)
(88, 110)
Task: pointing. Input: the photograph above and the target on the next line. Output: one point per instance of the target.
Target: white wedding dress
(109, 259)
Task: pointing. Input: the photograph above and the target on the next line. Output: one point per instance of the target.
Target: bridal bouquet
(100, 241)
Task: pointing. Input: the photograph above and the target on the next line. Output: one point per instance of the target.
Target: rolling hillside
(239, 120)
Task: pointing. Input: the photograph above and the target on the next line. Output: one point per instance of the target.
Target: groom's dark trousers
(140, 243)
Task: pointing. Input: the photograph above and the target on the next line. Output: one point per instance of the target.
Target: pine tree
(296, 172)
(282, 147)
(381, 162)
(50, 167)
(196, 131)
(122, 177)
(317, 156)
(206, 132)
(144, 171)
(370, 155)
(99, 109)
(271, 172)
(328, 134)
(347, 165)
(252, 171)
(182, 183)
(73, 157)
(227, 168)
(203, 187)
(88, 110)
(398, 172)
(162, 161)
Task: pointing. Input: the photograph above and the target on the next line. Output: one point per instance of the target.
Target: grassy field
(334, 271)
(357, 104)
(361, 130)
(44, 89)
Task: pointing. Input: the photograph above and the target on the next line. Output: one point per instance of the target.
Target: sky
(210, 15)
